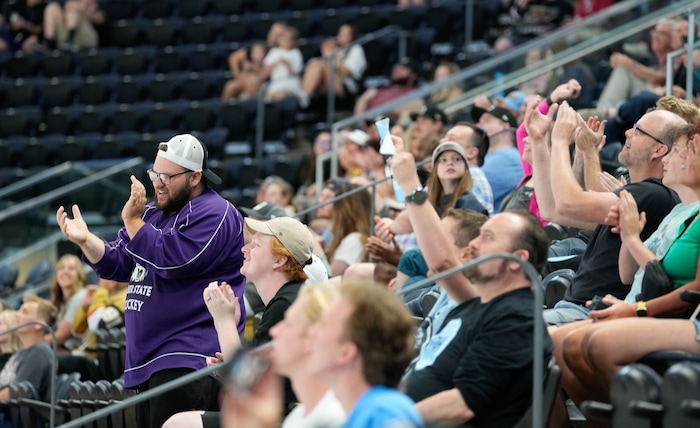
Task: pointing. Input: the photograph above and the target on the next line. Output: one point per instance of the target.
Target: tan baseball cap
(292, 233)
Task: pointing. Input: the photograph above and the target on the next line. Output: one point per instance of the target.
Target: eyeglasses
(636, 128)
(165, 178)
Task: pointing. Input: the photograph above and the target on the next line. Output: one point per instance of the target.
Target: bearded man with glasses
(169, 250)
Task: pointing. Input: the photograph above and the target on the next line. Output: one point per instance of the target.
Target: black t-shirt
(485, 351)
(34, 14)
(274, 313)
(598, 273)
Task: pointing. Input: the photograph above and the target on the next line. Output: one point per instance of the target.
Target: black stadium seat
(130, 89)
(202, 31)
(193, 8)
(133, 61)
(58, 92)
(58, 63)
(125, 34)
(21, 65)
(169, 60)
(21, 93)
(162, 89)
(162, 33)
(228, 7)
(94, 62)
(154, 9)
(95, 90)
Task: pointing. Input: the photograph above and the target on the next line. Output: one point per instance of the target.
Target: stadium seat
(193, 8)
(71, 150)
(95, 62)
(5, 157)
(235, 30)
(125, 118)
(204, 58)
(8, 276)
(235, 119)
(117, 10)
(132, 61)
(13, 122)
(58, 92)
(228, 7)
(161, 117)
(162, 32)
(155, 9)
(131, 89)
(260, 26)
(58, 63)
(22, 93)
(197, 117)
(170, 59)
(21, 65)
(34, 154)
(163, 88)
(329, 24)
(368, 20)
(92, 119)
(680, 395)
(59, 120)
(40, 273)
(126, 34)
(95, 90)
(302, 23)
(300, 5)
(196, 88)
(269, 6)
(201, 30)
(403, 18)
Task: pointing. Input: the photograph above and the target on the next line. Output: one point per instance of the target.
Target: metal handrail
(35, 179)
(688, 50)
(30, 204)
(54, 364)
(537, 358)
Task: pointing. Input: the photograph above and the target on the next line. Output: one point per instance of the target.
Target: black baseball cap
(431, 112)
(500, 112)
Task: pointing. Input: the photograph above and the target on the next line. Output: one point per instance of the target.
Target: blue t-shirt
(383, 407)
(504, 170)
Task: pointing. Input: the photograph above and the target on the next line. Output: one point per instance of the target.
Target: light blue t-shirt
(661, 240)
(383, 407)
(504, 170)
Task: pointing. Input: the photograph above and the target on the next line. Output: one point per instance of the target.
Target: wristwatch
(418, 197)
(642, 309)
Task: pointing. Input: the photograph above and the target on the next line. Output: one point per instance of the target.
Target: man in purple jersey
(169, 250)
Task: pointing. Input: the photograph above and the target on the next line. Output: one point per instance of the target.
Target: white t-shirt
(350, 249)
(356, 63)
(328, 413)
(282, 79)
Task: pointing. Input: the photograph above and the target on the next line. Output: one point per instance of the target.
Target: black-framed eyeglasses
(165, 178)
(636, 128)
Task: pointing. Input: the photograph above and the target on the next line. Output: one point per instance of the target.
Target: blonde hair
(681, 107)
(9, 317)
(57, 297)
(45, 310)
(316, 299)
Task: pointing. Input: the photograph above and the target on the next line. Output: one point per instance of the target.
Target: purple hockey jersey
(168, 264)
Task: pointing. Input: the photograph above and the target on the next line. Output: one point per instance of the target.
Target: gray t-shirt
(32, 364)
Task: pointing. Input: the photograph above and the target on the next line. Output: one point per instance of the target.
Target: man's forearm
(445, 407)
(93, 248)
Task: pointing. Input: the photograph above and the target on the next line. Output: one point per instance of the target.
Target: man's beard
(478, 278)
(176, 201)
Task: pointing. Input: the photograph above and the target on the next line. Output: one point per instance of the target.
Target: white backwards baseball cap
(188, 152)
